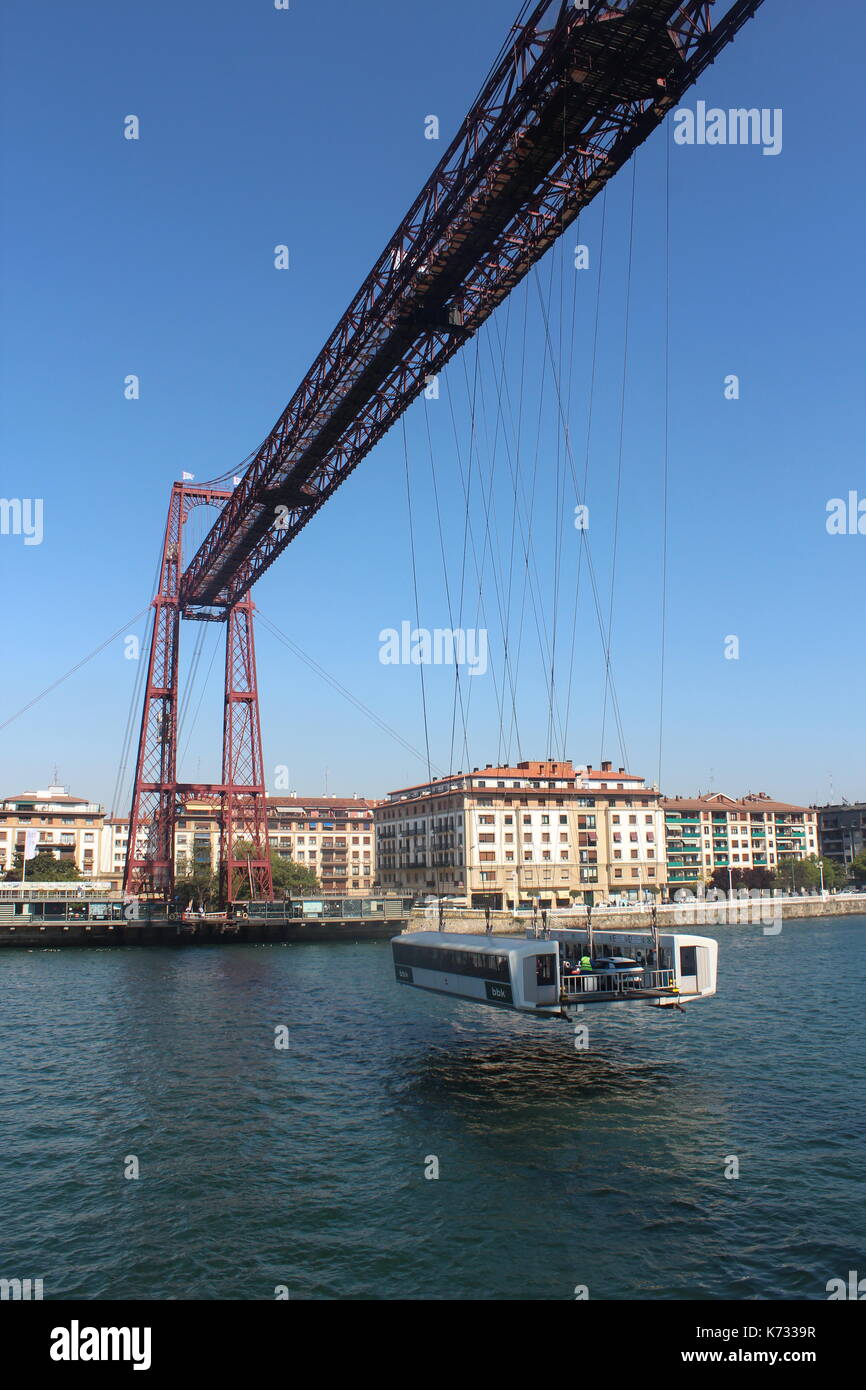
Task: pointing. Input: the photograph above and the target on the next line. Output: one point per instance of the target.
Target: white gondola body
(528, 974)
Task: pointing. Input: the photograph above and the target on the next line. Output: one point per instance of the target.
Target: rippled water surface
(305, 1167)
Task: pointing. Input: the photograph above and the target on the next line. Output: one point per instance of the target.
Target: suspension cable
(607, 670)
(72, 670)
(665, 467)
(340, 689)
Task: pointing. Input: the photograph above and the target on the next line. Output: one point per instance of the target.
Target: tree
(290, 880)
(857, 869)
(196, 885)
(743, 878)
(794, 874)
(43, 868)
(834, 874)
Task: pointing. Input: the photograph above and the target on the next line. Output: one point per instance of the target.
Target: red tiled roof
(35, 796)
(322, 803)
(559, 771)
(612, 776)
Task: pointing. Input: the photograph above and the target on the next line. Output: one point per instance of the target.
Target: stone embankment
(685, 916)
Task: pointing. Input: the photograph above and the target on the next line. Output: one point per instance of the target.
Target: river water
(303, 1167)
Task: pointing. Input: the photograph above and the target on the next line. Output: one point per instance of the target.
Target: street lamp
(821, 867)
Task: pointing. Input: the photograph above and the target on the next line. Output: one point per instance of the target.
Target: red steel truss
(158, 799)
(573, 95)
(150, 847)
(576, 89)
(244, 857)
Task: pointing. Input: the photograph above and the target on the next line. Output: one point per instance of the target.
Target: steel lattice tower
(158, 798)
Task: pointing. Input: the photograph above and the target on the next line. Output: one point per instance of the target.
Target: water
(305, 1167)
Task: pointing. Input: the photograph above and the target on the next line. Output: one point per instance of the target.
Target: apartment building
(842, 831)
(197, 841)
(69, 827)
(538, 832)
(716, 831)
(333, 836)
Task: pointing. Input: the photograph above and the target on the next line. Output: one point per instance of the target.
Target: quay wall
(170, 933)
(684, 917)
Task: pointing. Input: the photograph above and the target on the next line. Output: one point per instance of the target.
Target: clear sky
(156, 257)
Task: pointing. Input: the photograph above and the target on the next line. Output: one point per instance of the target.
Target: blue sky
(155, 257)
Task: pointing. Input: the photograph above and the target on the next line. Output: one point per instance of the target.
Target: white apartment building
(69, 827)
(538, 832)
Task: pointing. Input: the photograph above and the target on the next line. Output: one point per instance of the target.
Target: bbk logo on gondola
(500, 994)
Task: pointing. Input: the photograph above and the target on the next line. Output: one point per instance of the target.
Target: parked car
(618, 963)
(619, 971)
